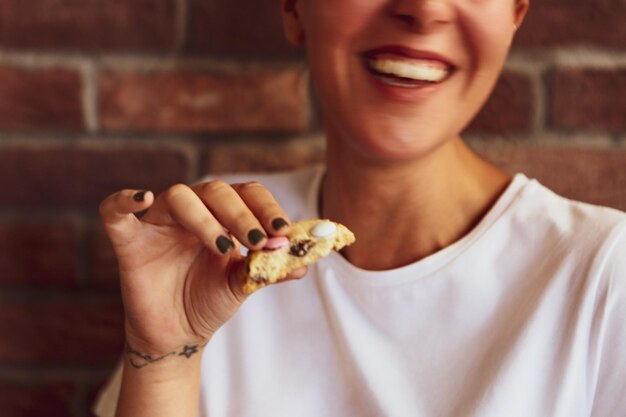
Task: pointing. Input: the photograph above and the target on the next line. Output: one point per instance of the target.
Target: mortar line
(181, 25)
(89, 96)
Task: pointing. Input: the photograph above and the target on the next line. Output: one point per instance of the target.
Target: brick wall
(104, 94)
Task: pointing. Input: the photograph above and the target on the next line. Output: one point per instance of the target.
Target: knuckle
(210, 225)
(174, 191)
(213, 186)
(250, 185)
(241, 217)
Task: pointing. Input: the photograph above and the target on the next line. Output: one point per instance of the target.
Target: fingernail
(138, 197)
(224, 244)
(255, 236)
(278, 223)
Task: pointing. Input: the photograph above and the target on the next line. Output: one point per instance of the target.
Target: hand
(181, 270)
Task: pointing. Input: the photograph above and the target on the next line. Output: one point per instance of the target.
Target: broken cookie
(308, 241)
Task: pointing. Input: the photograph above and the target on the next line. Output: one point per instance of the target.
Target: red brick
(40, 99)
(19, 399)
(54, 177)
(38, 254)
(88, 25)
(203, 102)
(237, 27)
(79, 329)
(593, 175)
(569, 22)
(263, 158)
(509, 108)
(589, 99)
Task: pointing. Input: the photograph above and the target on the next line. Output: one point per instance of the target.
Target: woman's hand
(180, 265)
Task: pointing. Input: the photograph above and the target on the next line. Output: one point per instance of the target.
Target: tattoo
(138, 360)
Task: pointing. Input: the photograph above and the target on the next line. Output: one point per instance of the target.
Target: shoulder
(583, 245)
(590, 239)
(563, 221)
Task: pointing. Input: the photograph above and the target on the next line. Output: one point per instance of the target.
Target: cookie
(308, 241)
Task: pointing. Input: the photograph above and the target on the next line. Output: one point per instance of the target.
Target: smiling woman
(467, 292)
(346, 41)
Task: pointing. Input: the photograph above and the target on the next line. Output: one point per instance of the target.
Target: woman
(467, 292)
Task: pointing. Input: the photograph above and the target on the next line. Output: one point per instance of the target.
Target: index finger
(264, 206)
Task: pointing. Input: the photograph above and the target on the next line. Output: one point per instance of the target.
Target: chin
(391, 145)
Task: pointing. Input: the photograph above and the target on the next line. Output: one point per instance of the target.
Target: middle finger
(232, 212)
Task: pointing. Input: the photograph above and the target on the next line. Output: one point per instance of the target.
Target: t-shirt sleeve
(609, 395)
(106, 402)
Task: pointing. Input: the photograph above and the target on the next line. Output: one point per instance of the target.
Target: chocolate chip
(259, 280)
(301, 248)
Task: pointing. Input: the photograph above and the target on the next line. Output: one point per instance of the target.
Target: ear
(521, 7)
(291, 22)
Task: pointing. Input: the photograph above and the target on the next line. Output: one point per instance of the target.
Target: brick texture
(259, 158)
(38, 254)
(574, 22)
(100, 95)
(19, 399)
(245, 28)
(597, 176)
(81, 178)
(589, 99)
(80, 329)
(509, 108)
(92, 25)
(203, 102)
(40, 99)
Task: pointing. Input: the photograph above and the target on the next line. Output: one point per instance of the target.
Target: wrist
(166, 387)
(138, 358)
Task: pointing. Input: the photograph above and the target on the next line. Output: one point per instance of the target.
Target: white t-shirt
(525, 316)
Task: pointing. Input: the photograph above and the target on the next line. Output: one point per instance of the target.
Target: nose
(422, 15)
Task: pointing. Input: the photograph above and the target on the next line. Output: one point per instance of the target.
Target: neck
(433, 202)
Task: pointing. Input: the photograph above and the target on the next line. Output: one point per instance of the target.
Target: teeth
(414, 70)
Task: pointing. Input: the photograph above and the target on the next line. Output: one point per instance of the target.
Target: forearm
(166, 387)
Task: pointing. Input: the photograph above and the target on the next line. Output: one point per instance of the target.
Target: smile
(405, 71)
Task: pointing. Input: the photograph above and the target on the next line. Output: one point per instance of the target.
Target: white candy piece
(324, 229)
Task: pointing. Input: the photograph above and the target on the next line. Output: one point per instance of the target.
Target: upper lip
(406, 52)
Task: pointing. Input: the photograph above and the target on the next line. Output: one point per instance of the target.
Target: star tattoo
(188, 351)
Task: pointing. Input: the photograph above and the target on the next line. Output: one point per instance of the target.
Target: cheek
(487, 27)
(336, 23)
(333, 29)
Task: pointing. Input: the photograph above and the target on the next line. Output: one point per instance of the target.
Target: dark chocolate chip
(260, 280)
(301, 248)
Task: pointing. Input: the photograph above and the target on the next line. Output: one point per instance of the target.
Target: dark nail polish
(138, 197)
(278, 223)
(255, 236)
(224, 244)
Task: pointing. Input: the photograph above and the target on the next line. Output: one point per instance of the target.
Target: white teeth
(414, 70)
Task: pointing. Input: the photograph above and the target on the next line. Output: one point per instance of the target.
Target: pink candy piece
(274, 243)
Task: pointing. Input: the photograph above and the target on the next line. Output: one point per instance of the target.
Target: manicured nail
(138, 197)
(224, 244)
(255, 236)
(278, 223)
